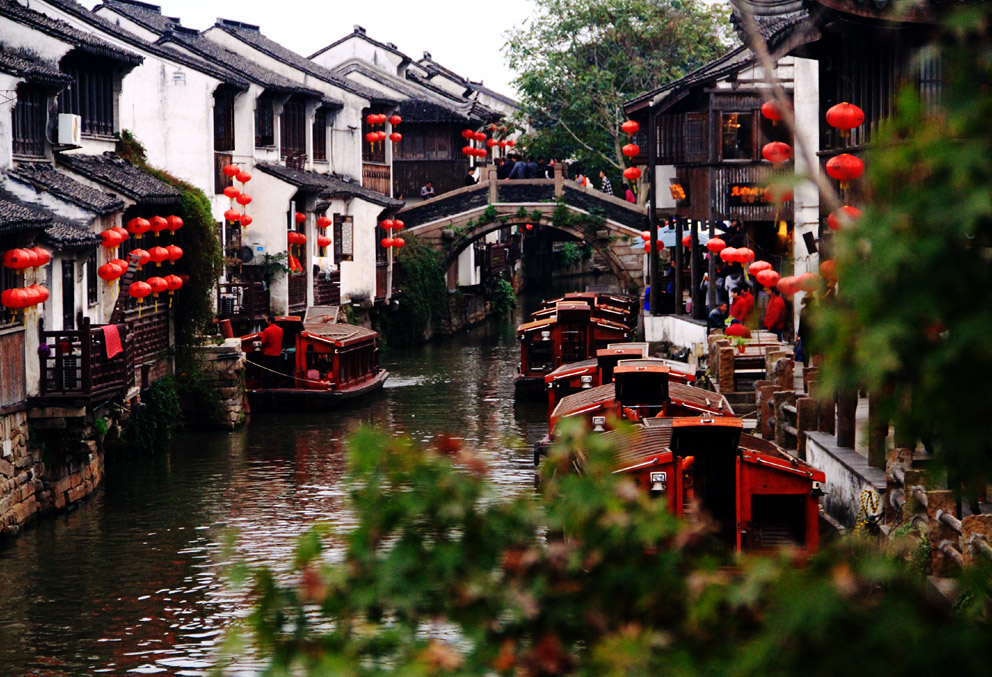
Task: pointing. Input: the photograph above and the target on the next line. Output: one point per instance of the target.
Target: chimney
(359, 30)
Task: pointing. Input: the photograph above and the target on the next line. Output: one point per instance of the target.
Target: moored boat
(323, 363)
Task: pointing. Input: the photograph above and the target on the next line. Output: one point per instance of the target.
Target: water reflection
(131, 582)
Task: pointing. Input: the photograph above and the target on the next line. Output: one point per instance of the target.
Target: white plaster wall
(8, 83)
(467, 270)
(357, 47)
(269, 226)
(358, 275)
(675, 330)
(663, 194)
(807, 198)
(124, 22)
(847, 475)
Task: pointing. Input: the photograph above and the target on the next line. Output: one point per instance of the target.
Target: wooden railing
(148, 335)
(327, 289)
(297, 292)
(247, 301)
(377, 178)
(76, 363)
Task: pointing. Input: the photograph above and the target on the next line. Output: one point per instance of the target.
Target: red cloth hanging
(112, 340)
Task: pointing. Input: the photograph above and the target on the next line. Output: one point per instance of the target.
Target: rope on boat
(297, 378)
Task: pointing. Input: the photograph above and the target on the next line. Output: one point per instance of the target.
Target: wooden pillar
(847, 405)
(901, 460)
(785, 374)
(725, 374)
(878, 430)
(806, 419)
(828, 414)
(765, 412)
(782, 438)
(696, 262)
(678, 266)
(652, 216)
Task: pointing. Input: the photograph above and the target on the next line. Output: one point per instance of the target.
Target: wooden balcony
(377, 178)
(242, 301)
(76, 364)
(297, 293)
(327, 289)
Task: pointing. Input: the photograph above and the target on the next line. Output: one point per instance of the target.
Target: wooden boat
(571, 333)
(575, 376)
(325, 363)
(757, 495)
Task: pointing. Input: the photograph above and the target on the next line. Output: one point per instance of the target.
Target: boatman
(271, 353)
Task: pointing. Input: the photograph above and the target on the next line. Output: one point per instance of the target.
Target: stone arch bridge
(453, 221)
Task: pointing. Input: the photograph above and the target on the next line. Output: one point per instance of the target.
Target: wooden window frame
(224, 118)
(292, 128)
(29, 121)
(92, 286)
(344, 233)
(92, 94)
(265, 122)
(320, 119)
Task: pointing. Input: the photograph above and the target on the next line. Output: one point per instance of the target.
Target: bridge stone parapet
(453, 221)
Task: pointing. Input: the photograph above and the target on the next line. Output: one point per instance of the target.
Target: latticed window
(224, 118)
(91, 94)
(292, 126)
(264, 122)
(29, 119)
(737, 136)
(320, 134)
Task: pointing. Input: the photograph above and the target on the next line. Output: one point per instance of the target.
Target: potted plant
(741, 343)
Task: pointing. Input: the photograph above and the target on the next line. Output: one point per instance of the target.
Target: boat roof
(642, 365)
(572, 369)
(318, 317)
(678, 393)
(341, 334)
(537, 324)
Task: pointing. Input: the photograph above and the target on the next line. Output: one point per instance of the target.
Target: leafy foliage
(425, 296)
(580, 60)
(156, 418)
(911, 322)
(592, 577)
(504, 298)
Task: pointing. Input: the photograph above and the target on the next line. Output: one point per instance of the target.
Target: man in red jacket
(743, 303)
(775, 313)
(271, 353)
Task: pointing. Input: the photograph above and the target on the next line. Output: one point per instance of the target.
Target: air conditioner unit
(253, 254)
(70, 129)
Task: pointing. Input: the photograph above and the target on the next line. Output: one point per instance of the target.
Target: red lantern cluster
(842, 216)
(19, 298)
(20, 260)
(742, 255)
(323, 223)
(807, 282)
(236, 196)
(374, 119)
(759, 266)
(396, 242)
(376, 136)
(631, 150)
(392, 224)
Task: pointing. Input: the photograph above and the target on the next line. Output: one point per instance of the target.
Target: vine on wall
(424, 302)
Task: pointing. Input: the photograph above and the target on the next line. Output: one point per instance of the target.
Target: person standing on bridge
(519, 170)
(607, 187)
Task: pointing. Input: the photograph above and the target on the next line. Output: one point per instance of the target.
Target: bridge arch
(450, 222)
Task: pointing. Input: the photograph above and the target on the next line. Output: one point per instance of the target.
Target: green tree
(912, 320)
(580, 60)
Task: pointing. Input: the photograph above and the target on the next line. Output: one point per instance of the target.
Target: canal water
(132, 581)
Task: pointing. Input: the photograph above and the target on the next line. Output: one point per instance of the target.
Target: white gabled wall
(357, 47)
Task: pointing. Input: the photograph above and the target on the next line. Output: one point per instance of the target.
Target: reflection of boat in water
(757, 495)
(570, 329)
(324, 363)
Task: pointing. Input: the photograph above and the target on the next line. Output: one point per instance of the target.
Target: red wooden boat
(571, 333)
(757, 495)
(325, 363)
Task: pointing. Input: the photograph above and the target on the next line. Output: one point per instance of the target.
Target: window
(264, 122)
(91, 280)
(425, 144)
(342, 238)
(372, 152)
(695, 137)
(292, 129)
(29, 118)
(91, 94)
(320, 134)
(224, 118)
(736, 133)
(7, 281)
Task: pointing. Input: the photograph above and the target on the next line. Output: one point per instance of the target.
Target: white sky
(465, 37)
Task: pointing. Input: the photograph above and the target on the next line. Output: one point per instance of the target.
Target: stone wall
(223, 370)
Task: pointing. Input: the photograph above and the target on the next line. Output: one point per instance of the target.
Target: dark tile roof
(479, 87)
(31, 68)
(44, 176)
(121, 176)
(434, 68)
(327, 185)
(252, 36)
(101, 23)
(16, 215)
(145, 15)
(66, 235)
(783, 24)
(360, 32)
(61, 30)
(735, 60)
(413, 111)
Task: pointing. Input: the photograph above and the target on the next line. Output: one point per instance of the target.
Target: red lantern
(395, 137)
(398, 225)
(109, 272)
(323, 222)
(529, 226)
(776, 152)
(745, 255)
(771, 110)
(138, 227)
(380, 135)
(845, 168)
(15, 298)
(716, 245)
(737, 329)
(630, 149)
(174, 281)
(630, 127)
(300, 217)
(386, 242)
(120, 264)
(371, 118)
(142, 256)
(468, 150)
(157, 255)
(632, 173)
(647, 246)
(158, 285)
(372, 137)
(232, 215)
(44, 293)
(175, 223)
(398, 242)
(687, 240)
(244, 199)
(843, 216)
(759, 266)
(468, 134)
(380, 119)
(231, 192)
(174, 253)
(246, 220)
(323, 241)
(787, 285)
(828, 270)
(158, 224)
(808, 282)
(231, 170)
(645, 235)
(511, 143)
(845, 117)
(728, 254)
(243, 177)
(122, 232)
(139, 290)
(491, 142)
(502, 143)
(479, 136)
(387, 224)
(111, 239)
(767, 278)
(395, 120)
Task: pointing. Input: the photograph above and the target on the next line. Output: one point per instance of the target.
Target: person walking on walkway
(743, 304)
(607, 187)
(271, 353)
(775, 313)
